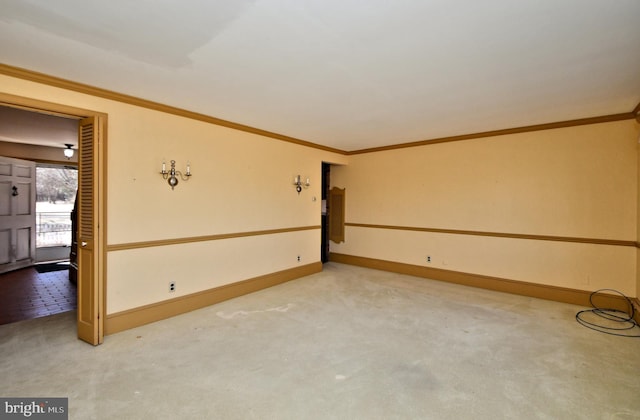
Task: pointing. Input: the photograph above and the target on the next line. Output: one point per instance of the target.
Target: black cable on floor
(621, 320)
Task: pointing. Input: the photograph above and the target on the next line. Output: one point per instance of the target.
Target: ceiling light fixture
(68, 152)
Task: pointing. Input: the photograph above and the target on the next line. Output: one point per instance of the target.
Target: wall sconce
(297, 181)
(170, 175)
(68, 152)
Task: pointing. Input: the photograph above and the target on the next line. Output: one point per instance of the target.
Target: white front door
(17, 213)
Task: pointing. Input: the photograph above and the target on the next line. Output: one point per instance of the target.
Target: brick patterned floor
(27, 294)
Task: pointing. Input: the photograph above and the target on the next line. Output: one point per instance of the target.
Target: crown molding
(494, 133)
(34, 76)
(132, 100)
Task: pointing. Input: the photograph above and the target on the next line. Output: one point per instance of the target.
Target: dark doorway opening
(326, 172)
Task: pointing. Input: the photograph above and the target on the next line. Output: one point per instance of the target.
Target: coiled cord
(612, 321)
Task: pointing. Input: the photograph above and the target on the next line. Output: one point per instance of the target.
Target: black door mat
(48, 267)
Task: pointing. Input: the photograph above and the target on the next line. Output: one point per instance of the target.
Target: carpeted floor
(347, 343)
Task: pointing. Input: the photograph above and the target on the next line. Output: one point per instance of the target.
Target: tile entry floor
(27, 294)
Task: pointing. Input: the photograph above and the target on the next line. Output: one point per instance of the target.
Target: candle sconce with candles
(299, 183)
(172, 175)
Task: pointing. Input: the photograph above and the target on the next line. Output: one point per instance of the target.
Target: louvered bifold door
(88, 292)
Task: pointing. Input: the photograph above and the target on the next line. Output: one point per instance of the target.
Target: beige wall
(579, 182)
(574, 182)
(241, 182)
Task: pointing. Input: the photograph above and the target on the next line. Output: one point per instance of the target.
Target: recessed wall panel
(23, 199)
(5, 202)
(5, 246)
(23, 244)
(5, 169)
(23, 171)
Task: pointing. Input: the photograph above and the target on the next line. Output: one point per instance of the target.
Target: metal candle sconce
(297, 181)
(172, 175)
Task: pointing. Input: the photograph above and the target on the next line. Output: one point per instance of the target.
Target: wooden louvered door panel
(89, 294)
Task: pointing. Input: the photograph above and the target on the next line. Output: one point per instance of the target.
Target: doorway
(326, 181)
(36, 277)
(56, 188)
(91, 142)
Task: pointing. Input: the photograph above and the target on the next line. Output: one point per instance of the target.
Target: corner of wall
(637, 127)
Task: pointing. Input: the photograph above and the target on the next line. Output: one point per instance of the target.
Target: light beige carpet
(347, 343)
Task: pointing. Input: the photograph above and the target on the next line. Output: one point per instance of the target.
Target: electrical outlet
(172, 286)
(299, 258)
(429, 258)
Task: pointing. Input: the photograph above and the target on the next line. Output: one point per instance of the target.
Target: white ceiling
(348, 74)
